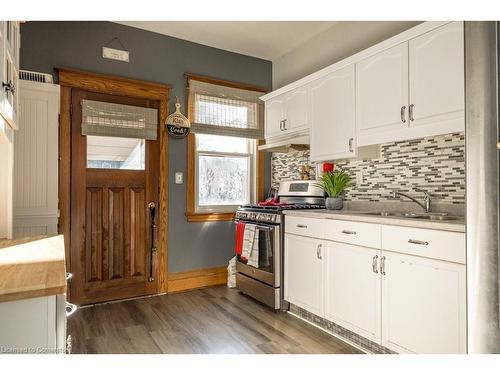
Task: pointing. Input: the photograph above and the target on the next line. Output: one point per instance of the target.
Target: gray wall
(342, 40)
(157, 58)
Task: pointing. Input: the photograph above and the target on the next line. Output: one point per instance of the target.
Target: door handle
(152, 255)
(318, 252)
(411, 112)
(382, 265)
(351, 140)
(403, 114)
(281, 125)
(374, 264)
(284, 125)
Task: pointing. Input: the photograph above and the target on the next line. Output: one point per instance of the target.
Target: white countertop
(451, 225)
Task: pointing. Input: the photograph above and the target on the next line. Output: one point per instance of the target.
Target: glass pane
(219, 143)
(223, 180)
(213, 110)
(115, 152)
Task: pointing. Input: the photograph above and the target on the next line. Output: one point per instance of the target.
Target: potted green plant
(334, 184)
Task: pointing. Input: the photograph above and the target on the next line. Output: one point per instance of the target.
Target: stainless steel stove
(264, 282)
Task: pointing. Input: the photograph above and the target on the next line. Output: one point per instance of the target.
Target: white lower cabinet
(304, 272)
(33, 325)
(423, 305)
(406, 292)
(352, 288)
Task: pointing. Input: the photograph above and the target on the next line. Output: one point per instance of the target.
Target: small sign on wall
(178, 125)
(115, 54)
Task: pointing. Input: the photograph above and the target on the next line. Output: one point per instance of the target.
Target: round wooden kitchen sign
(177, 124)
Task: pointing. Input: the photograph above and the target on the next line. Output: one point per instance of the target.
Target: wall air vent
(27, 75)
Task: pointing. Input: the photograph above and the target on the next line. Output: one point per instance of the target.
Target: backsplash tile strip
(329, 326)
(435, 164)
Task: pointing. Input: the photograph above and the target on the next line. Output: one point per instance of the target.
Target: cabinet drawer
(429, 243)
(305, 226)
(352, 232)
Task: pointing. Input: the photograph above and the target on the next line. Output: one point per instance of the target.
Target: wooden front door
(112, 255)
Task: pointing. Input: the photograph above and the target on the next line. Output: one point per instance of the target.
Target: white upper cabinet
(352, 288)
(382, 95)
(304, 272)
(287, 113)
(412, 90)
(437, 100)
(409, 86)
(423, 305)
(9, 71)
(296, 110)
(275, 114)
(332, 104)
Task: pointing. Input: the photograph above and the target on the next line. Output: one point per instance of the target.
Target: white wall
(341, 40)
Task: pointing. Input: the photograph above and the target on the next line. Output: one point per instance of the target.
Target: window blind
(118, 120)
(223, 110)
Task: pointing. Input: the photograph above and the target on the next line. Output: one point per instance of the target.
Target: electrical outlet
(359, 178)
(179, 178)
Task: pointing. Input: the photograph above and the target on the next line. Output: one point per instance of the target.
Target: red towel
(240, 231)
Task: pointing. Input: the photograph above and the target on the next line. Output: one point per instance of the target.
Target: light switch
(179, 177)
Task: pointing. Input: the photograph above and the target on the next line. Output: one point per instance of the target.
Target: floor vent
(27, 75)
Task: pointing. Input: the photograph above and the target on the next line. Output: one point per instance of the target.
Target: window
(224, 172)
(115, 152)
(223, 163)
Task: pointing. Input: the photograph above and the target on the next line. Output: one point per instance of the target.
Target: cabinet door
(274, 116)
(382, 96)
(437, 81)
(352, 288)
(296, 111)
(304, 272)
(423, 305)
(332, 106)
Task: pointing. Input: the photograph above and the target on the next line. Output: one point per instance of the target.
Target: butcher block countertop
(32, 267)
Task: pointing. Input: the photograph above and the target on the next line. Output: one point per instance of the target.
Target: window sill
(216, 216)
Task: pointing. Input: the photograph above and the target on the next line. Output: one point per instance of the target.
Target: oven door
(269, 269)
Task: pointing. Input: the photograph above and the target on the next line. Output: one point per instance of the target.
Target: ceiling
(264, 39)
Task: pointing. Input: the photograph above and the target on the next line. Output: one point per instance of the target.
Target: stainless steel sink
(437, 216)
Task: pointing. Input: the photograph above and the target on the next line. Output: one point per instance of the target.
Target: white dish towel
(250, 250)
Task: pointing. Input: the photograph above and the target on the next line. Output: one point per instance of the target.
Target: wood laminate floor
(212, 320)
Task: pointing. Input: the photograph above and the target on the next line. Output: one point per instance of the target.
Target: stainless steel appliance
(482, 137)
(264, 283)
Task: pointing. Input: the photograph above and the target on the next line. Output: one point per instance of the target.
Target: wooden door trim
(75, 79)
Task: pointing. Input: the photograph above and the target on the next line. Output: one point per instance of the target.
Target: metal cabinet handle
(152, 255)
(403, 114)
(69, 276)
(70, 309)
(301, 226)
(9, 87)
(348, 232)
(284, 125)
(374, 264)
(418, 242)
(351, 140)
(382, 265)
(281, 125)
(411, 112)
(318, 252)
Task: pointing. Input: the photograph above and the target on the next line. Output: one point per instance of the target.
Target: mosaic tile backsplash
(435, 164)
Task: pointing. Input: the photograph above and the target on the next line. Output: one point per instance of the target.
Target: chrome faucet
(427, 199)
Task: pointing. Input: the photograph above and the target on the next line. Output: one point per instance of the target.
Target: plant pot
(334, 203)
